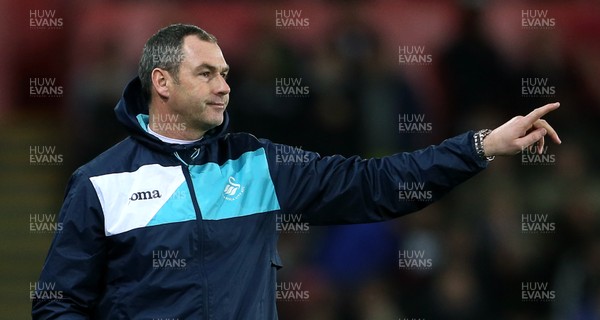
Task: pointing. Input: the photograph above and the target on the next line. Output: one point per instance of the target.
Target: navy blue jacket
(154, 230)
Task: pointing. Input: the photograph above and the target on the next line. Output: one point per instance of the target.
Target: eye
(224, 75)
(205, 74)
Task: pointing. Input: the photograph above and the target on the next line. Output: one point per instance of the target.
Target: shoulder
(112, 160)
(245, 140)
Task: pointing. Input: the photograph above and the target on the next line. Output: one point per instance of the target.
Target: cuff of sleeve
(481, 162)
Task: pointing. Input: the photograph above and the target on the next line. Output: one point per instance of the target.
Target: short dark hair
(164, 50)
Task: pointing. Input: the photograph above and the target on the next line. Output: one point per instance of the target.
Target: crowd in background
(357, 89)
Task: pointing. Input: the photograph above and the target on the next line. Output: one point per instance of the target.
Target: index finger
(537, 113)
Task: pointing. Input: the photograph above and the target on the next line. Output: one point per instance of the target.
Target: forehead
(197, 52)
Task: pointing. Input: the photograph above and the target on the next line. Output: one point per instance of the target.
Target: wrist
(482, 146)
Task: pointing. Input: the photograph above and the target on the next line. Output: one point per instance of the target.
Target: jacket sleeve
(72, 275)
(338, 190)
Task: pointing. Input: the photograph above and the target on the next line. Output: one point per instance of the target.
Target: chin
(217, 121)
(213, 123)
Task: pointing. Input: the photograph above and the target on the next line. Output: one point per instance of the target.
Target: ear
(160, 79)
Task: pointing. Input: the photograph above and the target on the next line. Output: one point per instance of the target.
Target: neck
(172, 125)
(170, 140)
(173, 129)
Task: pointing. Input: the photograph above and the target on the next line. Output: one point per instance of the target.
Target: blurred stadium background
(347, 54)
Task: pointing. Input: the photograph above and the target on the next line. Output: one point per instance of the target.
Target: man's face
(201, 95)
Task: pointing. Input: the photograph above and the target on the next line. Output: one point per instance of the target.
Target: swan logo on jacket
(232, 190)
(145, 195)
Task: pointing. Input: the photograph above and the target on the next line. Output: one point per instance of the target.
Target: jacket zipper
(201, 231)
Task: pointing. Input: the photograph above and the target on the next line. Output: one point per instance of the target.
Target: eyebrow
(211, 67)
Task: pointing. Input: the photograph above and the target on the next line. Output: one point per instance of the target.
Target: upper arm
(332, 190)
(75, 262)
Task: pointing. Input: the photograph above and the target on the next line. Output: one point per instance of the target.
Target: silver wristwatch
(478, 140)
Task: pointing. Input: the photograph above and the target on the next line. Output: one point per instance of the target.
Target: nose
(221, 87)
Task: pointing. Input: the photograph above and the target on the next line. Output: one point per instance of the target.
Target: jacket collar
(133, 108)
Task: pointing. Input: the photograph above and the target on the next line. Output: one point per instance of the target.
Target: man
(178, 220)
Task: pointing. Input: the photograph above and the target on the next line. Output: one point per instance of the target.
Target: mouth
(216, 104)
